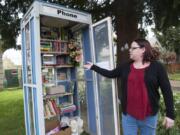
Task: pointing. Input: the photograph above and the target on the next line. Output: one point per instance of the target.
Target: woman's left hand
(168, 122)
(88, 65)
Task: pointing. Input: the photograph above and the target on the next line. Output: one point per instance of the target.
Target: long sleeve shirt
(155, 76)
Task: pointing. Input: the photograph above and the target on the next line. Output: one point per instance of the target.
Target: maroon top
(138, 104)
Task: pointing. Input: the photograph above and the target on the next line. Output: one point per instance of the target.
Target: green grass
(12, 112)
(175, 76)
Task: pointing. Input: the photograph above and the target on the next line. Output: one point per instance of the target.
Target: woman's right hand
(88, 65)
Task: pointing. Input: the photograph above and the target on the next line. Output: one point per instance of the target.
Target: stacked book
(49, 32)
(46, 46)
(67, 108)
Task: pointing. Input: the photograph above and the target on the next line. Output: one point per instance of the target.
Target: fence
(173, 67)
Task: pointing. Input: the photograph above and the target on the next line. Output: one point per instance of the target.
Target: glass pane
(24, 56)
(26, 110)
(104, 85)
(33, 50)
(31, 110)
(82, 97)
(82, 86)
(28, 53)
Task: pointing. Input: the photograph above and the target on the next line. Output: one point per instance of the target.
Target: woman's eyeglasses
(133, 48)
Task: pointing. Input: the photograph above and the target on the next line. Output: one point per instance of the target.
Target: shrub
(176, 129)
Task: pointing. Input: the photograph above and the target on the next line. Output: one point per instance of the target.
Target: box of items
(55, 89)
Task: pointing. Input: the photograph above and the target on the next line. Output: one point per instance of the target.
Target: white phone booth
(54, 38)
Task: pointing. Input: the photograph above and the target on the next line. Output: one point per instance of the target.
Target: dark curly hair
(150, 54)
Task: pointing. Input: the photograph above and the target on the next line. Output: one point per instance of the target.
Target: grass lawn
(12, 112)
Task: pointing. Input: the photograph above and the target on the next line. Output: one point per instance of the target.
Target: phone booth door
(106, 95)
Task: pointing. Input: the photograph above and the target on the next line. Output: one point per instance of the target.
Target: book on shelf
(51, 108)
(61, 76)
(49, 32)
(63, 47)
(51, 96)
(46, 46)
(65, 104)
(56, 46)
(63, 60)
(60, 60)
(68, 109)
(55, 107)
(47, 112)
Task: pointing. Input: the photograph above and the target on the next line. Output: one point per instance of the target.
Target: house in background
(155, 43)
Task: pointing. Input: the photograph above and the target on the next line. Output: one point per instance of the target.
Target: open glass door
(106, 97)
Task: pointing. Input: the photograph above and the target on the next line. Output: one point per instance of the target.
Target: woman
(140, 81)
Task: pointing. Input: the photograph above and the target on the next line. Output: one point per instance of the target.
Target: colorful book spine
(55, 107)
(51, 108)
(48, 113)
